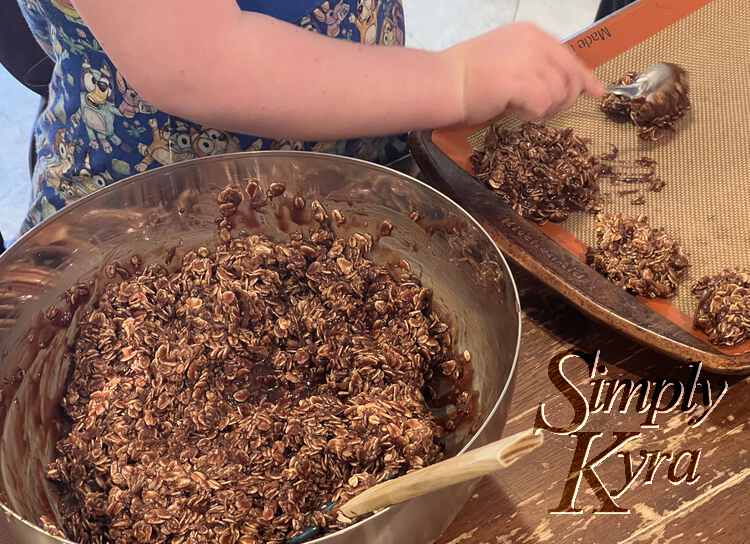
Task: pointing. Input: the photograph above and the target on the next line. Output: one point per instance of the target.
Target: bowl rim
(17, 244)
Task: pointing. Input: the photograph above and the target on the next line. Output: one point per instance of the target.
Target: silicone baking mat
(705, 164)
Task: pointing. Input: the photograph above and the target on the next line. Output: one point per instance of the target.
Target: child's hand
(518, 68)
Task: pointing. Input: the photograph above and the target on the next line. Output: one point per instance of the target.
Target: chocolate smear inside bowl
(222, 372)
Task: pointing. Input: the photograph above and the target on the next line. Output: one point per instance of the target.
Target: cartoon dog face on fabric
(213, 142)
(97, 84)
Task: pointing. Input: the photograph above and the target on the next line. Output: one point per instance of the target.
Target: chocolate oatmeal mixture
(656, 116)
(631, 178)
(724, 307)
(542, 172)
(644, 261)
(230, 398)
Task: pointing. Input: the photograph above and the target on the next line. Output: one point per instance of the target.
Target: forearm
(250, 73)
(310, 86)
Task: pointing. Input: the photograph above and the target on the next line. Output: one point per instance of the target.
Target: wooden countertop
(514, 506)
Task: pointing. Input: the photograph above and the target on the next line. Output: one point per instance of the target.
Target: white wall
(436, 24)
(17, 109)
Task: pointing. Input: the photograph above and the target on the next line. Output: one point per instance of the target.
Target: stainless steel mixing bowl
(176, 207)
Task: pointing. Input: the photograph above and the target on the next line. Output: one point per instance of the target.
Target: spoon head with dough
(655, 77)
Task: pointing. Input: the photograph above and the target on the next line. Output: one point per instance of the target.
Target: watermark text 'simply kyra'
(696, 396)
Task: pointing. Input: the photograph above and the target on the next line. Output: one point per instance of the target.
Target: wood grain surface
(513, 507)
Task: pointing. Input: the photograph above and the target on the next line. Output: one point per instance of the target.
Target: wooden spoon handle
(470, 465)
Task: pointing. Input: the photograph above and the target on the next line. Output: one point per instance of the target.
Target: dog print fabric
(97, 129)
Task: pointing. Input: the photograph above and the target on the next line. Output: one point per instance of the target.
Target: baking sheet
(705, 164)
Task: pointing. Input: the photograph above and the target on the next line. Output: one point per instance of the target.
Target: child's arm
(215, 64)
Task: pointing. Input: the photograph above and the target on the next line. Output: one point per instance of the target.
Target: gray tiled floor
(433, 24)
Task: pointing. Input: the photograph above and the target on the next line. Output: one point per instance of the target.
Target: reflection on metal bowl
(175, 207)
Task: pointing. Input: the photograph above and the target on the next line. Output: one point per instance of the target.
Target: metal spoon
(656, 77)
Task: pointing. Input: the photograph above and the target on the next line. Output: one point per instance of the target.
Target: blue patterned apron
(96, 129)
